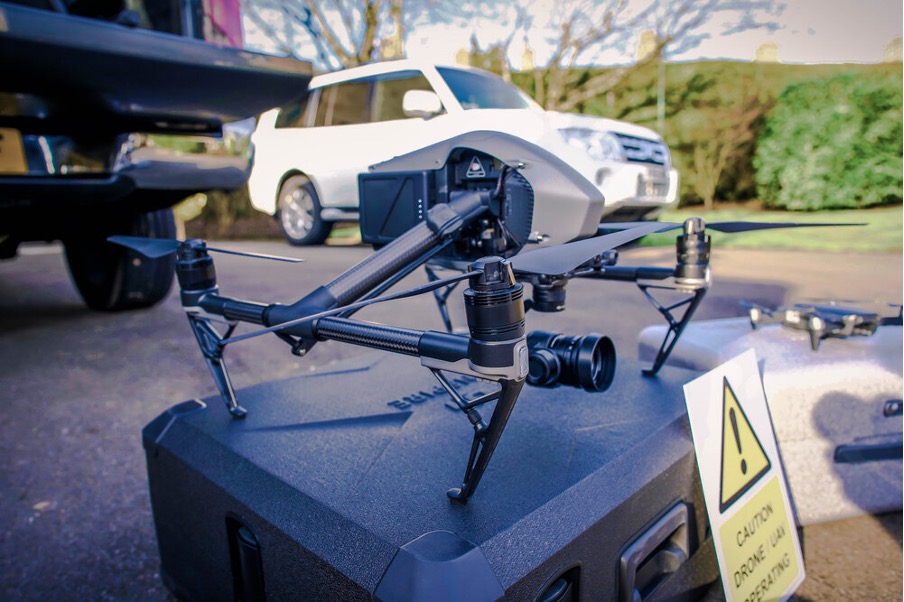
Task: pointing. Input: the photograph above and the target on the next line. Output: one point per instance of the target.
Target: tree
(834, 143)
(724, 133)
(341, 33)
(583, 32)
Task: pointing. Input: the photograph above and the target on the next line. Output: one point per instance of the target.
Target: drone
(822, 321)
(430, 208)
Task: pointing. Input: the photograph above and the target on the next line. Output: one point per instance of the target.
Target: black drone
(427, 209)
(822, 320)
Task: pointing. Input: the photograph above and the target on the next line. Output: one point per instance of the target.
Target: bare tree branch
(344, 32)
(584, 30)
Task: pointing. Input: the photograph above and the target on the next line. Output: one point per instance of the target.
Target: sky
(819, 31)
(810, 31)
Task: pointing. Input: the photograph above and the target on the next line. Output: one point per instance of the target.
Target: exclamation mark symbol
(737, 437)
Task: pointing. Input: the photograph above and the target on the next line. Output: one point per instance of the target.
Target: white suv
(308, 154)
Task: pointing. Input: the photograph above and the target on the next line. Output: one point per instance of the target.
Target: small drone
(427, 209)
(822, 321)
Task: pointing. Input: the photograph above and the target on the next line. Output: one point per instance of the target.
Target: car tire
(298, 212)
(110, 277)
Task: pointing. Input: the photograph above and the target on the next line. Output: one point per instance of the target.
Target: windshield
(475, 90)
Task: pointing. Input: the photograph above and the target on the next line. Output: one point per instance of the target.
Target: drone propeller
(560, 259)
(727, 227)
(154, 248)
(551, 261)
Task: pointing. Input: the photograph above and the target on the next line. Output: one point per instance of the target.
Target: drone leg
(676, 327)
(209, 341)
(486, 436)
(441, 296)
(816, 336)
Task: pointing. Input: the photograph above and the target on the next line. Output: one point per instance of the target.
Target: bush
(835, 143)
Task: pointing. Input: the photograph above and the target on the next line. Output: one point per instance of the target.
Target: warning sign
(745, 490)
(743, 458)
(759, 551)
(475, 169)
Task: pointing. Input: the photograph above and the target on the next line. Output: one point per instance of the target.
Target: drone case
(836, 411)
(334, 488)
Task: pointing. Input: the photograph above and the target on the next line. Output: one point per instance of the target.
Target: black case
(333, 488)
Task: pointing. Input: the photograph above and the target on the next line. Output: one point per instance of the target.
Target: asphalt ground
(77, 387)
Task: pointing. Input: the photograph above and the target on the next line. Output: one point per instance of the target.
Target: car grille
(641, 150)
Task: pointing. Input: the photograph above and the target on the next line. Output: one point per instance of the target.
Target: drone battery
(836, 411)
(334, 488)
(393, 203)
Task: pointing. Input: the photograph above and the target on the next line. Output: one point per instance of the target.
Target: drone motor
(494, 305)
(692, 249)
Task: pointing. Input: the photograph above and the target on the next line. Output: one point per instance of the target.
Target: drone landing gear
(441, 296)
(210, 342)
(486, 435)
(676, 326)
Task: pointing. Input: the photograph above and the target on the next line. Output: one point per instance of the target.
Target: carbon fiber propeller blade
(564, 258)
(151, 248)
(154, 248)
(728, 227)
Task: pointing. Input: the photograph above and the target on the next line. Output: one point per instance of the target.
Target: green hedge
(833, 143)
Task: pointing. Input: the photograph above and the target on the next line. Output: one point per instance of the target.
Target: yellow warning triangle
(743, 459)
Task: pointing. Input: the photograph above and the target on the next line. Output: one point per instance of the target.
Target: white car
(308, 154)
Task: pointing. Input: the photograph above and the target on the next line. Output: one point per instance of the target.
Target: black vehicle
(112, 113)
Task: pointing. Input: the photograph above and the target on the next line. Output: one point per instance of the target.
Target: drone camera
(554, 359)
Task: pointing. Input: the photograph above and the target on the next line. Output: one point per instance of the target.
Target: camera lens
(587, 362)
(543, 368)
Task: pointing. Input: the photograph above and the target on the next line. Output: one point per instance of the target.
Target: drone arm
(438, 350)
(443, 221)
(630, 273)
(234, 309)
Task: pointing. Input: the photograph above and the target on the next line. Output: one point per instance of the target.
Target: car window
(483, 91)
(343, 104)
(292, 115)
(390, 88)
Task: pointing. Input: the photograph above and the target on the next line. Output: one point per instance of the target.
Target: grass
(882, 233)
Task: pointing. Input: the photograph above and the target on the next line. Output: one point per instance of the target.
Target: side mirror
(421, 103)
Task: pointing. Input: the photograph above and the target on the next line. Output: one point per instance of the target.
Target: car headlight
(598, 145)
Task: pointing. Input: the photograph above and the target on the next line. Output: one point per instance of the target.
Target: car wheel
(110, 277)
(298, 210)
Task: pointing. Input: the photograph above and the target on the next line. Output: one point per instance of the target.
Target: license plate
(658, 174)
(12, 154)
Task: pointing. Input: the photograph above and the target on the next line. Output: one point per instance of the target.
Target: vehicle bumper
(193, 163)
(52, 200)
(637, 191)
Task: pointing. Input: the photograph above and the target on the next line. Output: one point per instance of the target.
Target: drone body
(821, 321)
(481, 227)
